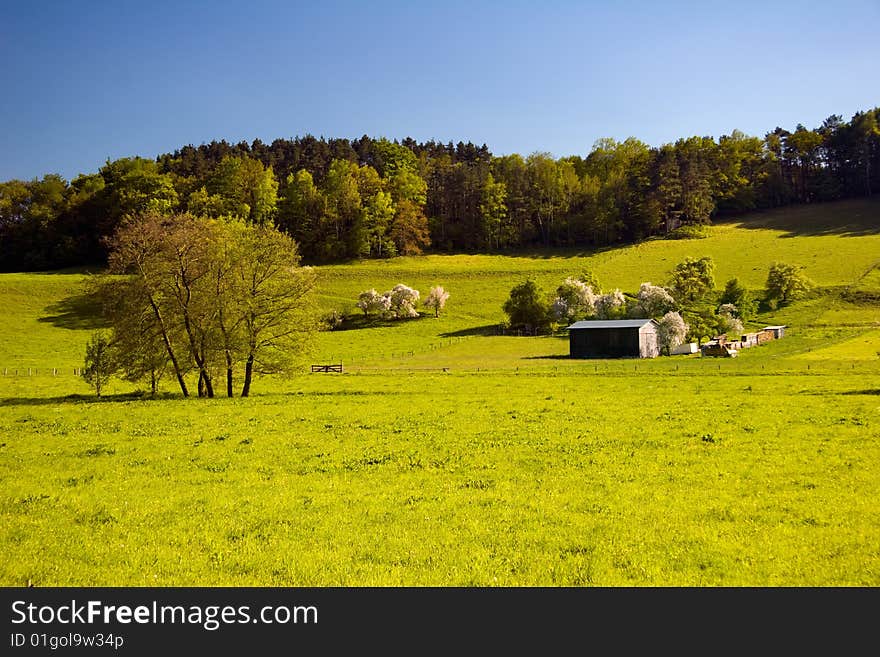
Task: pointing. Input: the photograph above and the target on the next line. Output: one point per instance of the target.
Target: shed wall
(607, 343)
(649, 347)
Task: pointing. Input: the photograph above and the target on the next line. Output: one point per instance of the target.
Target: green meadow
(448, 454)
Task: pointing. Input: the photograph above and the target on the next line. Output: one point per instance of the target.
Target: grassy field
(514, 466)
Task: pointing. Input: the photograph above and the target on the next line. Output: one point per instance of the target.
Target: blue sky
(87, 81)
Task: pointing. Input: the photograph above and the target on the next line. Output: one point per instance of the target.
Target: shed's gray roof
(610, 323)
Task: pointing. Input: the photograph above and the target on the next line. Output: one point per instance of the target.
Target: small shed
(777, 331)
(614, 338)
(765, 336)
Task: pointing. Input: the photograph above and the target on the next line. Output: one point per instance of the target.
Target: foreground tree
(138, 250)
(137, 346)
(273, 301)
(213, 294)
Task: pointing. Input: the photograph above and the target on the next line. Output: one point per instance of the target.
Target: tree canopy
(206, 297)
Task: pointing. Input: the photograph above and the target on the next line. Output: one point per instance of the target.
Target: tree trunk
(248, 373)
(209, 386)
(204, 376)
(167, 341)
(228, 374)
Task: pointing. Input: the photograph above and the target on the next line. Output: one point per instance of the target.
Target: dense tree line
(341, 199)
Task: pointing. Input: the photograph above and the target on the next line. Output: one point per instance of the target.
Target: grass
(415, 479)
(514, 466)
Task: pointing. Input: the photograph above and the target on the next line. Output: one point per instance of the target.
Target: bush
(689, 232)
(526, 307)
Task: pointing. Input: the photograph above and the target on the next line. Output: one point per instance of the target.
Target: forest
(344, 199)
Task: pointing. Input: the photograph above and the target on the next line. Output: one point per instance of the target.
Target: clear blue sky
(86, 81)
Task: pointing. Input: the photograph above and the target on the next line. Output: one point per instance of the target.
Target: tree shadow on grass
(849, 218)
(489, 329)
(355, 322)
(85, 399)
(550, 357)
(860, 392)
(77, 312)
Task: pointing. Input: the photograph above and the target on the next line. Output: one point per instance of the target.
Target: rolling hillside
(45, 325)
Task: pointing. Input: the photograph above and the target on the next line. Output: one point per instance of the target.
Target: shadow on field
(550, 357)
(354, 322)
(489, 329)
(76, 312)
(853, 218)
(84, 399)
(860, 392)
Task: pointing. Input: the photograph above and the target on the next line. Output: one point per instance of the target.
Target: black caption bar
(131, 621)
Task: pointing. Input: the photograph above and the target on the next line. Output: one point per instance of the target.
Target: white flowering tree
(371, 301)
(671, 332)
(437, 299)
(728, 322)
(610, 305)
(403, 301)
(574, 300)
(654, 301)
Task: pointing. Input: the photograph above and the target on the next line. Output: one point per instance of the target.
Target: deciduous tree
(437, 299)
(527, 308)
(671, 332)
(99, 365)
(786, 282)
